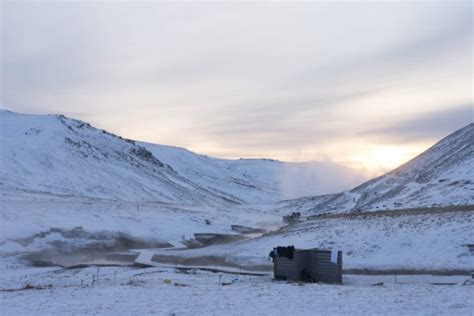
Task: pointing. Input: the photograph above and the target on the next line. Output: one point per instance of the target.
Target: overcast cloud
(425, 125)
(305, 81)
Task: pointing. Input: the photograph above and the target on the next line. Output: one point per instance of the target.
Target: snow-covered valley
(68, 189)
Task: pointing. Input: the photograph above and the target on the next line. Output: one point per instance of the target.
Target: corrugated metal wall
(285, 269)
(316, 264)
(322, 269)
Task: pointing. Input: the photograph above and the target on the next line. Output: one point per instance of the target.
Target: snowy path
(145, 258)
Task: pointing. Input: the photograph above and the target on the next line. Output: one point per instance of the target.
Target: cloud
(276, 122)
(239, 79)
(425, 126)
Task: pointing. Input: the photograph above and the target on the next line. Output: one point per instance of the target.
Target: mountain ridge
(40, 153)
(440, 176)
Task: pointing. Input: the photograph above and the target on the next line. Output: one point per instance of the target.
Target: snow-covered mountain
(52, 156)
(258, 180)
(63, 183)
(443, 175)
(297, 179)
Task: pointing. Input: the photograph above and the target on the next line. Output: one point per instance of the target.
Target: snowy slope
(443, 175)
(52, 156)
(150, 221)
(433, 241)
(210, 173)
(297, 179)
(258, 180)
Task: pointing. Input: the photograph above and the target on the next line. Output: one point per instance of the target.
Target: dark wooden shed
(309, 265)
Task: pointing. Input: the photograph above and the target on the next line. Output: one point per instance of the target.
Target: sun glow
(378, 159)
(371, 159)
(390, 156)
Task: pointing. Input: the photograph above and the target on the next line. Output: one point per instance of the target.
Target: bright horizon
(388, 156)
(365, 85)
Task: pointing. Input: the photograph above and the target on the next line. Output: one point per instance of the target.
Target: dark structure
(308, 265)
(292, 218)
(246, 230)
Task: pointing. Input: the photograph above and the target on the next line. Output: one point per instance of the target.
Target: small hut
(307, 265)
(292, 218)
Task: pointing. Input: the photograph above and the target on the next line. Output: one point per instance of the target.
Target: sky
(365, 84)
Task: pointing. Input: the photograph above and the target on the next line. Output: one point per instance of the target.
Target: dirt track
(395, 213)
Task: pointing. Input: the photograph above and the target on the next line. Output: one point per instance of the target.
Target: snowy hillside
(212, 174)
(443, 175)
(56, 157)
(154, 222)
(421, 240)
(51, 156)
(258, 180)
(297, 179)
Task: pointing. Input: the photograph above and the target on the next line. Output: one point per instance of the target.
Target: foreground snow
(166, 292)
